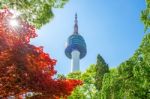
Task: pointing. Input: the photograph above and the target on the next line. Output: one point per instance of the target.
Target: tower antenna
(76, 24)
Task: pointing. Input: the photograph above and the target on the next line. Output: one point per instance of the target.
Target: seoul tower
(75, 48)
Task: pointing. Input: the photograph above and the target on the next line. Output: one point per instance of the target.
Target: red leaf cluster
(25, 67)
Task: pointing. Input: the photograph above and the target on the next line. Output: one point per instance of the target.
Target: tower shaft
(75, 66)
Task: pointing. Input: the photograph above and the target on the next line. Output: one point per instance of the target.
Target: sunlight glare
(13, 22)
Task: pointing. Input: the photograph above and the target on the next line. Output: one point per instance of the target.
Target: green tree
(92, 80)
(145, 15)
(110, 85)
(36, 12)
(87, 90)
(130, 80)
(101, 68)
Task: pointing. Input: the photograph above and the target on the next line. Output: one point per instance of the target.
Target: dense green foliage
(130, 80)
(36, 12)
(92, 79)
(145, 15)
(101, 69)
(88, 89)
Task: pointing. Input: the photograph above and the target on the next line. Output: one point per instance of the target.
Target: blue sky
(111, 28)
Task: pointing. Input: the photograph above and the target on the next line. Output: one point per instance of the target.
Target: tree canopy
(131, 78)
(145, 15)
(88, 89)
(101, 69)
(25, 67)
(36, 12)
(92, 80)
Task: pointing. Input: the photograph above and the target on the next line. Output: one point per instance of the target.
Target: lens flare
(13, 23)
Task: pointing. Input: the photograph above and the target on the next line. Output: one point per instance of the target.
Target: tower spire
(76, 24)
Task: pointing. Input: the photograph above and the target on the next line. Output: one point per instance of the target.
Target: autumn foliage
(25, 67)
